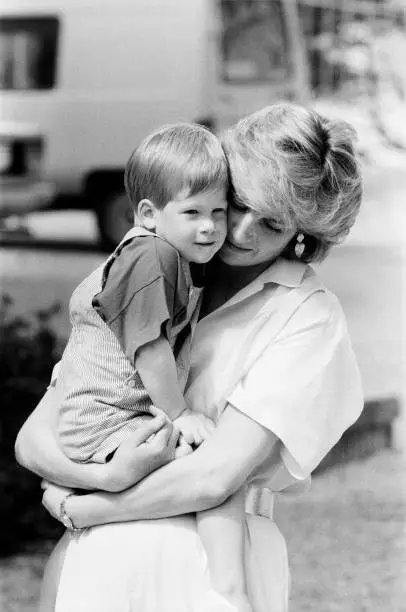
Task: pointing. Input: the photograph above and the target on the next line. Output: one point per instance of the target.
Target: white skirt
(161, 566)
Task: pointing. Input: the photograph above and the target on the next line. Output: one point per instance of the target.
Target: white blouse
(279, 351)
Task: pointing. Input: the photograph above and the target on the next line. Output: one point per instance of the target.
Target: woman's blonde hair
(175, 159)
(297, 166)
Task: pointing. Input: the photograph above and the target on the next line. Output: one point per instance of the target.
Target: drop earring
(299, 246)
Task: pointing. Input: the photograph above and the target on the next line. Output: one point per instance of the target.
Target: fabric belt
(259, 501)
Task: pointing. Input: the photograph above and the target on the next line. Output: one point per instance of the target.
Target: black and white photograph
(202, 290)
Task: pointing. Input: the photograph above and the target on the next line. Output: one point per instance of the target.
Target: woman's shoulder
(319, 302)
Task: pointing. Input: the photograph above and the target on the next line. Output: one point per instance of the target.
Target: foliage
(364, 55)
(29, 348)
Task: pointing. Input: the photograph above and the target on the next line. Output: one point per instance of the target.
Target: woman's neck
(224, 281)
(237, 277)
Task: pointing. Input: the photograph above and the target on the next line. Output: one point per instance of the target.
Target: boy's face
(195, 226)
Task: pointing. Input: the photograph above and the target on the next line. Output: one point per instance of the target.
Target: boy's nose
(207, 226)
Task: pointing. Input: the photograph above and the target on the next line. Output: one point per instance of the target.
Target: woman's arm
(202, 480)
(37, 449)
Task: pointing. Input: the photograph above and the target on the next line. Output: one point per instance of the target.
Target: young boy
(131, 315)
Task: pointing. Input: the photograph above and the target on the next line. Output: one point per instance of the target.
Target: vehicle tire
(114, 218)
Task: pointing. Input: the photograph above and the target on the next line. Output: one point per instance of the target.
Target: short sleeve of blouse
(306, 386)
(139, 292)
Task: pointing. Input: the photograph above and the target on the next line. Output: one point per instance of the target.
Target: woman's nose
(243, 228)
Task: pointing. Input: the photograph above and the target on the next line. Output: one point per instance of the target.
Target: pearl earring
(299, 246)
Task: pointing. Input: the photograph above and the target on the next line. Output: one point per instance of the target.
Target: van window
(254, 48)
(28, 52)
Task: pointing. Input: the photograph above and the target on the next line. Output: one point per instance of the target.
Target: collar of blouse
(222, 293)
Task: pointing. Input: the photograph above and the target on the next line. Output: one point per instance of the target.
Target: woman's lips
(235, 247)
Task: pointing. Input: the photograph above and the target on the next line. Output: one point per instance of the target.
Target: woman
(272, 364)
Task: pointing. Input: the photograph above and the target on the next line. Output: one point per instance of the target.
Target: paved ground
(347, 538)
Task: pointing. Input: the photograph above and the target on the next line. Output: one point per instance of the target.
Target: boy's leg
(222, 531)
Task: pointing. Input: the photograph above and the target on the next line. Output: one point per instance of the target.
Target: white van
(83, 81)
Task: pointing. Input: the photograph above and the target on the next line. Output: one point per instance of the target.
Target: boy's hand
(145, 450)
(194, 427)
(183, 448)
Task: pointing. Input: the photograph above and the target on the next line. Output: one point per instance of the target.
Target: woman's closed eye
(234, 203)
(272, 225)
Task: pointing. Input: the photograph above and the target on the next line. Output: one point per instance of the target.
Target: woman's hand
(150, 447)
(53, 496)
(204, 479)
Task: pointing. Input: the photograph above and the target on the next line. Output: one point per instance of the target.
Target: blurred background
(82, 82)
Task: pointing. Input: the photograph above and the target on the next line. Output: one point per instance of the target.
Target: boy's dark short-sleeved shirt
(145, 292)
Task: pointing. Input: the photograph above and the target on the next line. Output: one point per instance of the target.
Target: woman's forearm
(205, 479)
(180, 487)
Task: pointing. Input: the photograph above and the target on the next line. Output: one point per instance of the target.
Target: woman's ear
(147, 214)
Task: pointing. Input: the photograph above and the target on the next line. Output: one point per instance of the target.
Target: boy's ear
(147, 214)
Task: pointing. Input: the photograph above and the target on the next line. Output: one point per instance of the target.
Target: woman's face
(252, 240)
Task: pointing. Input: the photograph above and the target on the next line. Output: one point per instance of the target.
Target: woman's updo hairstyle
(295, 165)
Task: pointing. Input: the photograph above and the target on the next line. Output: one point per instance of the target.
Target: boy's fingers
(198, 437)
(182, 450)
(188, 437)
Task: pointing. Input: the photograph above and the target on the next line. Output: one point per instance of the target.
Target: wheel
(114, 218)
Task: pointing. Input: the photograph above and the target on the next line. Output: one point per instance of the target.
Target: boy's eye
(220, 211)
(191, 211)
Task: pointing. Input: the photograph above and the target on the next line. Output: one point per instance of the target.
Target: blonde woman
(271, 364)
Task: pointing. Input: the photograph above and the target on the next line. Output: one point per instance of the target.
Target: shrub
(28, 350)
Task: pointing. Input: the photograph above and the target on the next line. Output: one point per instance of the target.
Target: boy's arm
(156, 366)
(222, 531)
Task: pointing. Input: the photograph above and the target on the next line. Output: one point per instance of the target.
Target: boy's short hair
(175, 159)
(299, 167)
